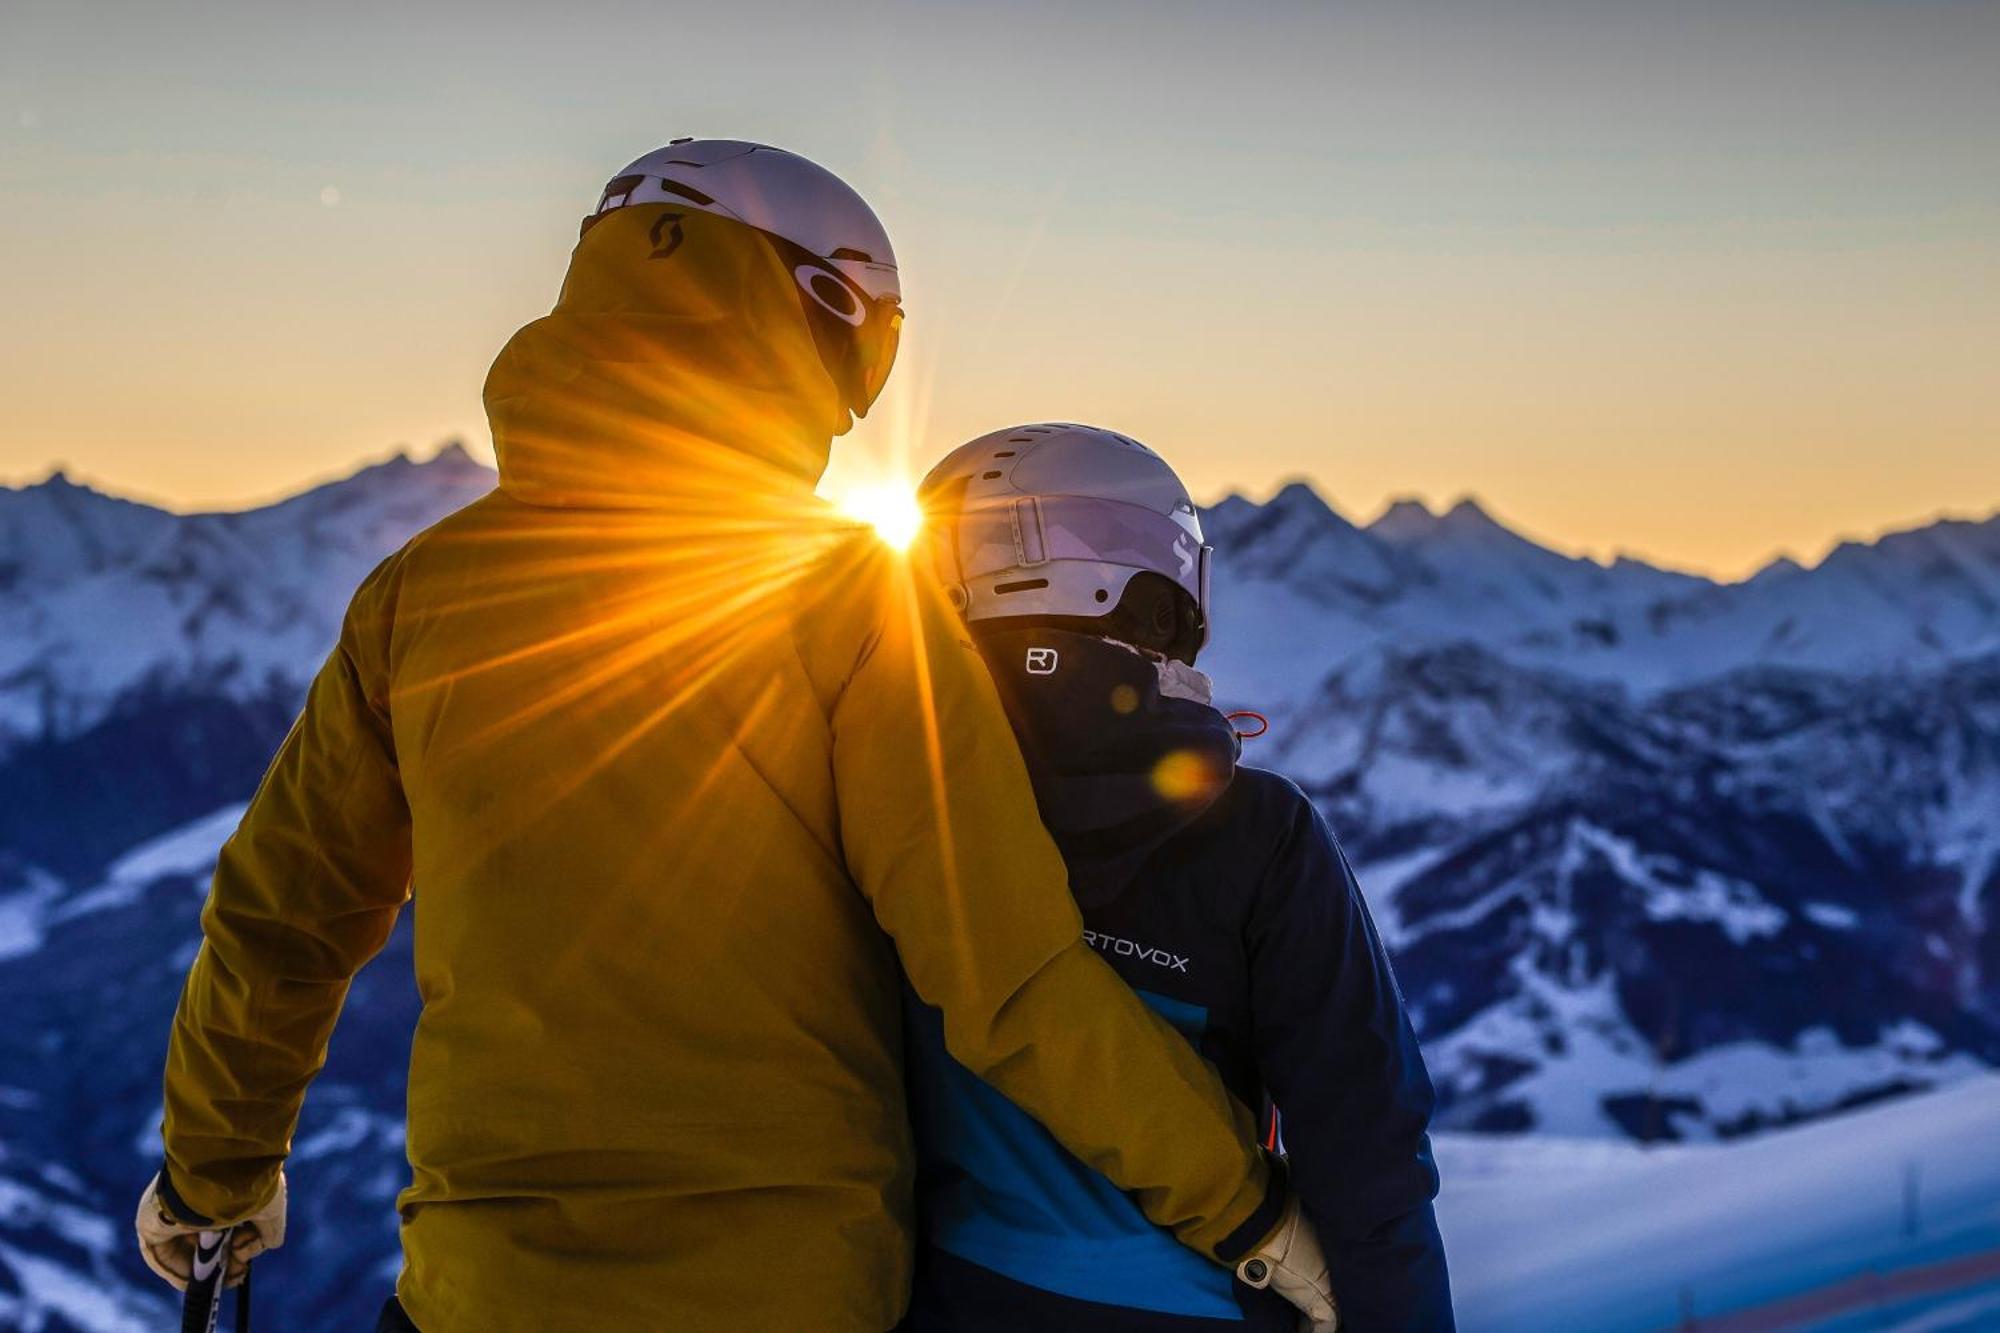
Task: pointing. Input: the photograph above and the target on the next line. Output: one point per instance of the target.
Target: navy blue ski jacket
(1220, 895)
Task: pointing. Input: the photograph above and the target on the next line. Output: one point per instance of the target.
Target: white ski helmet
(1055, 519)
(827, 235)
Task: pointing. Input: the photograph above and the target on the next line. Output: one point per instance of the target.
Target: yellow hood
(677, 365)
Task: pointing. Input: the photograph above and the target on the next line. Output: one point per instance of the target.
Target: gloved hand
(1291, 1263)
(167, 1243)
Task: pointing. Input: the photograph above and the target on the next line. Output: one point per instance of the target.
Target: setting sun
(890, 509)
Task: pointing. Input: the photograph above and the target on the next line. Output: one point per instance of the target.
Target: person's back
(1216, 892)
(631, 914)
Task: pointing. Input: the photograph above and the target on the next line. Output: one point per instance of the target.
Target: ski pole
(204, 1289)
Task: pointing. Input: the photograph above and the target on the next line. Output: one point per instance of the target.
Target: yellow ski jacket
(676, 768)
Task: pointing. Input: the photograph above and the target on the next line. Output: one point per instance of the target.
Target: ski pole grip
(203, 1303)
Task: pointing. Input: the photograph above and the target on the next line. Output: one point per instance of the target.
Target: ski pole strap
(204, 1289)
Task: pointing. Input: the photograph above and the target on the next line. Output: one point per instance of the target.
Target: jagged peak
(1406, 519)
(1468, 515)
(57, 482)
(1783, 567)
(400, 468)
(1298, 499)
(64, 492)
(1231, 510)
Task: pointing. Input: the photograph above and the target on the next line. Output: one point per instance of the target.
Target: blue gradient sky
(1700, 281)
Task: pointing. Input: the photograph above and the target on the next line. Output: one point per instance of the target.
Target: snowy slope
(1550, 1233)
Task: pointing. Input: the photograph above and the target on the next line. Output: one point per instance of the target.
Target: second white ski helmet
(836, 248)
(1055, 519)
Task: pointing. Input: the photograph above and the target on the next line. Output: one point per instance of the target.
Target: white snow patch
(1381, 882)
(189, 850)
(1544, 1234)
(47, 1289)
(1832, 915)
(24, 913)
(1581, 1051)
(1734, 905)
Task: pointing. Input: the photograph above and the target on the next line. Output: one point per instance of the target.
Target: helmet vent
(1025, 585)
(849, 252)
(619, 188)
(988, 476)
(1005, 453)
(687, 192)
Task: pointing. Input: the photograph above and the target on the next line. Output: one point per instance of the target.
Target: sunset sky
(1697, 281)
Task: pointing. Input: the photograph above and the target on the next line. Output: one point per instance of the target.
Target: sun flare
(890, 509)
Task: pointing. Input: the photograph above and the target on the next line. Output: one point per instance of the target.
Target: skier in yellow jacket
(675, 768)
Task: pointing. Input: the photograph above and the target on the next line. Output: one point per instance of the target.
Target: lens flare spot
(1124, 700)
(891, 510)
(1183, 775)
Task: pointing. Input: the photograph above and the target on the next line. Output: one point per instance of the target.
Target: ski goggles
(1027, 534)
(857, 333)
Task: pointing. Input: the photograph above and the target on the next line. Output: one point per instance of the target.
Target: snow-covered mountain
(102, 599)
(1659, 858)
(1658, 855)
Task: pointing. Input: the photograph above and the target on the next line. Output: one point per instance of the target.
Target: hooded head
(692, 352)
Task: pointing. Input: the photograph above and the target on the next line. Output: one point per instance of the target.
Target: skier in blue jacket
(1215, 890)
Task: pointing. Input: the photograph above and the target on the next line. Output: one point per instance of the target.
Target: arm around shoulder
(941, 833)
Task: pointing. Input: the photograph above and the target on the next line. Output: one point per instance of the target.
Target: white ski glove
(167, 1243)
(1291, 1263)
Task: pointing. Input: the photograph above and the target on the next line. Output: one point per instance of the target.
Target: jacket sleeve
(1337, 1052)
(940, 830)
(305, 892)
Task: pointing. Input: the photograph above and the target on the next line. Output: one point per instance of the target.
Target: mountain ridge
(1407, 509)
(1657, 858)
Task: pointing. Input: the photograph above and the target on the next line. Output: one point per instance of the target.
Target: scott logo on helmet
(1042, 661)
